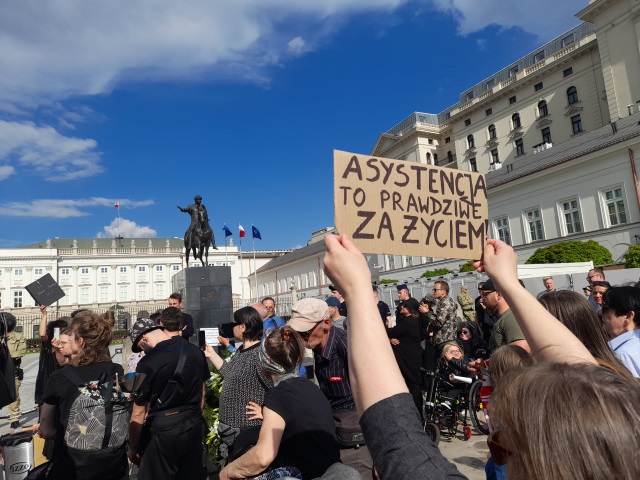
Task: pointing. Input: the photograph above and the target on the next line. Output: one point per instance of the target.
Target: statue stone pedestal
(206, 295)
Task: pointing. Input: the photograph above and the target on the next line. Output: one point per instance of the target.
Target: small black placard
(45, 290)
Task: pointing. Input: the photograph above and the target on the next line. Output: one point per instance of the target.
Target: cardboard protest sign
(45, 290)
(407, 208)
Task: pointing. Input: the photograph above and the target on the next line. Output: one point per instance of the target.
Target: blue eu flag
(227, 232)
(255, 232)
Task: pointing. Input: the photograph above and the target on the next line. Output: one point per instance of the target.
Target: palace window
(543, 109)
(571, 214)
(616, 210)
(534, 224)
(502, 229)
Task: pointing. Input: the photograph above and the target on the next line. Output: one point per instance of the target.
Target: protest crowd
(564, 369)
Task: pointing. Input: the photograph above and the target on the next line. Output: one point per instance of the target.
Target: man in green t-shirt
(506, 330)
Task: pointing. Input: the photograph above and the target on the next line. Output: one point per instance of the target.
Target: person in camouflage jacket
(446, 317)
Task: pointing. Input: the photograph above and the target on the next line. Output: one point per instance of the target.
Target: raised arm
(42, 330)
(373, 369)
(390, 421)
(215, 359)
(548, 339)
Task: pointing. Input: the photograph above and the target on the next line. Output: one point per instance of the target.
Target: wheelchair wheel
(466, 433)
(433, 432)
(478, 417)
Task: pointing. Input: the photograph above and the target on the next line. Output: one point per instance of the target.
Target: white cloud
(65, 208)
(62, 48)
(43, 150)
(56, 49)
(296, 46)
(6, 171)
(544, 18)
(126, 228)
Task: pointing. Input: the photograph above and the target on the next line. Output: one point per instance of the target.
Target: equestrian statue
(199, 235)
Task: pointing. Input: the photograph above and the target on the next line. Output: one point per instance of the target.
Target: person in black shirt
(405, 340)
(75, 454)
(170, 446)
(338, 295)
(383, 308)
(298, 433)
(403, 294)
(485, 319)
(186, 322)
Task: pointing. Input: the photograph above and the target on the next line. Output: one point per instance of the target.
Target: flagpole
(241, 275)
(226, 253)
(255, 274)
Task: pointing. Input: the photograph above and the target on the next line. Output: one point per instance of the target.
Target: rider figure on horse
(199, 223)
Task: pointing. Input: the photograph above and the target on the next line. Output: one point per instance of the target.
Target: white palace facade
(101, 272)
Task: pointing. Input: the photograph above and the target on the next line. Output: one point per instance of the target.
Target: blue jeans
(495, 472)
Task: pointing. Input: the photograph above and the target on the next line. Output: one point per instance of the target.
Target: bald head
(262, 311)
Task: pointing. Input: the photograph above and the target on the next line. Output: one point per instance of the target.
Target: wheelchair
(448, 405)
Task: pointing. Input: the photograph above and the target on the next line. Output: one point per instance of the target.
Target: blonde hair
(569, 421)
(95, 331)
(505, 359)
(447, 347)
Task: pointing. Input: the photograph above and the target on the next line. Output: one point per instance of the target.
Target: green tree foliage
(573, 251)
(387, 280)
(632, 257)
(467, 267)
(438, 272)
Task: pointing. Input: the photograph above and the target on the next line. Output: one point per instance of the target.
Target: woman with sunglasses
(244, 381)
(473, 344)
(564, 418)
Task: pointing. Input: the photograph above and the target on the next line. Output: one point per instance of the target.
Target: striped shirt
(332, 370)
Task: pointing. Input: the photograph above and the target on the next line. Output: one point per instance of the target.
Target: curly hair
(95, 332)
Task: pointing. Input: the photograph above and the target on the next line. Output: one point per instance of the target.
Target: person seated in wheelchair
(454, 370)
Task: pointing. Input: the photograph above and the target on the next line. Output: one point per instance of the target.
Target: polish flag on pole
(242, 232)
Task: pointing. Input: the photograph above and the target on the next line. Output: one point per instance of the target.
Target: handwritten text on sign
(407, 208)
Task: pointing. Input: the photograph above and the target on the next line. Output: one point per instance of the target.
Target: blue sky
(149, 103)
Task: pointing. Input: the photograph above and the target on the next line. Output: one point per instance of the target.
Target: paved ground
(469, 456)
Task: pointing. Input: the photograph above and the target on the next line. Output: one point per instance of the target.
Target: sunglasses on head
(499, 453)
